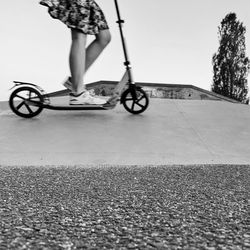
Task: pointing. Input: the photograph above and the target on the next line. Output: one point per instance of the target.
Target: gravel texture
(151, 207)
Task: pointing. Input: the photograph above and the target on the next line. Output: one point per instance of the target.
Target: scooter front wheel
(21, 99)
(135, 100)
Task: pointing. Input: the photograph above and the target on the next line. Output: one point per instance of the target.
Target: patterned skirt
(83, 15)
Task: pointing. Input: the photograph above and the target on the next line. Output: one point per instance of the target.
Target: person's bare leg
(77, 59)
(93, 51)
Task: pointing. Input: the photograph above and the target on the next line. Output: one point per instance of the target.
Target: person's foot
(67, 83)
(85, 98)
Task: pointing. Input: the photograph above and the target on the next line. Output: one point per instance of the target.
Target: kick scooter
(28, 100)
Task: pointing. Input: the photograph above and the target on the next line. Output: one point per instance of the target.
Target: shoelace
(91, 92)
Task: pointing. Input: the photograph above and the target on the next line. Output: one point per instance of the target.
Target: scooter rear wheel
(135, 100)
(20, 99)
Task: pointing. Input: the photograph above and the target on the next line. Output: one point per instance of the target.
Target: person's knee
(104, 37)
(108, 38)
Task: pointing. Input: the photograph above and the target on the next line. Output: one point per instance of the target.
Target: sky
(169, 41)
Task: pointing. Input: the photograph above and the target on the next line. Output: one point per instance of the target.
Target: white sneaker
(85, 98)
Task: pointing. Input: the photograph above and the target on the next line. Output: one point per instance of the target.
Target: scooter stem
(127, 62)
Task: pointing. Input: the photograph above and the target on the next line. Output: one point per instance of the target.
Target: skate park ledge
(165, 91)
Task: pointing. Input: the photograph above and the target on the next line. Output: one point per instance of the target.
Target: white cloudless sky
(169, 41)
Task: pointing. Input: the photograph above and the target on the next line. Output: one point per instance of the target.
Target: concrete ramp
(169, 132)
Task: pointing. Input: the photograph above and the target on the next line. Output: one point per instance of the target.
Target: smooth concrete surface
(169, 132)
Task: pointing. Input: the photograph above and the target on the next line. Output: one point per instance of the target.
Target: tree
(230, 64)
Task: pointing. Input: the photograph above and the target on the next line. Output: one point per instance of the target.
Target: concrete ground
(169, 132)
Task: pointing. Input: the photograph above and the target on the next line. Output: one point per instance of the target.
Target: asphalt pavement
(161, 207)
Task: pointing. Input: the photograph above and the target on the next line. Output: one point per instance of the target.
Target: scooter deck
(78, 107)
(105, 106)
